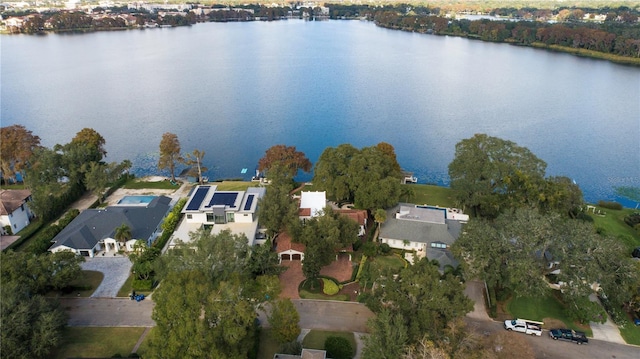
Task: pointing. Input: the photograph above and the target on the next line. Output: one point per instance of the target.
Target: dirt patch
(550, 323)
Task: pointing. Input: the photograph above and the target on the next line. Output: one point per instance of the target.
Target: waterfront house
(216, 210)
(425, 231)
(93, 230)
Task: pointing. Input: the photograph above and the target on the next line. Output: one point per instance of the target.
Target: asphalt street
(108, 312)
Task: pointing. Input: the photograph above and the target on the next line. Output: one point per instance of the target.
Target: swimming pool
(136, 200)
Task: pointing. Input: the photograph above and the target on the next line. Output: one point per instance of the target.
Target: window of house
(189, 216)
(22, 207)
(210, 217)
(438, 245)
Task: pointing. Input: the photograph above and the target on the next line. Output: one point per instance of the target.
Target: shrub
(293, 348)
(329, 287)
(369, 249)
(338, 348)
(139, 284)
(632, 220)
(385, 249)
(610, 205)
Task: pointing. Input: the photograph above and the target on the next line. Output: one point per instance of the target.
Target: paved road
(545, 347)
(108, 312)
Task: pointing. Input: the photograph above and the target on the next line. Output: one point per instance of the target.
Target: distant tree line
(619, 34)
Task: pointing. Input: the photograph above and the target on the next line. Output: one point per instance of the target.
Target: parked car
(524, 326)
(570, 335)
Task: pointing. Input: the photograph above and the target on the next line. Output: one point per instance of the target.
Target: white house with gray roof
(427, 230)
(93, 230)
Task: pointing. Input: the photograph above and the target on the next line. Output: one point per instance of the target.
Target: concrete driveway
(116, 271)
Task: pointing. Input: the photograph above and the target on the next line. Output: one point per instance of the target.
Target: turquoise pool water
(136, 199)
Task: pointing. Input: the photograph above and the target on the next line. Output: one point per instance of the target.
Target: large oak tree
(490, 174)
(17, 145)
(287, 157)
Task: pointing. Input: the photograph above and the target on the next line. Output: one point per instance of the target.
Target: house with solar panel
(424, 231)
(215, 210)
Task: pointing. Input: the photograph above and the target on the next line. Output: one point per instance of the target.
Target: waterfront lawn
(613, 224)
(431, 195)
(91, 342)
(544, 308)
(316, 338)
(136, 183)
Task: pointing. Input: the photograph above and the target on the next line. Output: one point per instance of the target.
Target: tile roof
(285, 243)
(358, 215)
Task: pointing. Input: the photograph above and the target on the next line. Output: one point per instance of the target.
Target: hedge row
(42, 240)
(170, 223)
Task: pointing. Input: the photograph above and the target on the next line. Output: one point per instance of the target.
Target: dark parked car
(570, 335)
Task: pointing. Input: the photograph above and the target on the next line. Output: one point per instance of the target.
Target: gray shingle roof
(419, 231)
(93, 225)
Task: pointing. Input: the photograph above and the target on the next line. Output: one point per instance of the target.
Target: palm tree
(123, 233)
(380, 217)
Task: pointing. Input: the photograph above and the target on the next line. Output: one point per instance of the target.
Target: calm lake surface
(235, 89)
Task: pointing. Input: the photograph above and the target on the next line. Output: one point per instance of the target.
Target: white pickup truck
(524, 326)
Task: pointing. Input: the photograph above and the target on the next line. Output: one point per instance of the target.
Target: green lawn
(90, 342)
(630, 333)
(316, 338)
(136, 183)
(543, 309)
(84, 286)
(431, 195)
(144, 346)
(306, 292)
(613, 224)
(393, 261)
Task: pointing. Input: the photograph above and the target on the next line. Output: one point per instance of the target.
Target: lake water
(235, 89)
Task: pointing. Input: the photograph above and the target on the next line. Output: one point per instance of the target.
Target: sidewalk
(607, 331)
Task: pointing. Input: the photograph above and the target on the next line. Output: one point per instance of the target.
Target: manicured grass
(393, 261)
(306, 292)
(84, 286)
(613, 224)
(543, 308)
(329, 287)
(144, 346)
(431, 195)
(136, 183)
(90, 342)
(268, 346)
(316, 338)
(630, 333)
(234, 185)
(13, 186)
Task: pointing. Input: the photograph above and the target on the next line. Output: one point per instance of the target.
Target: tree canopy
(206, 305)
(369, 177)
(425, 300)
(169, 153)
(31, 323)
(515, 252)
(287, 157)
(194, 161)
(17, 145)
(490, 174)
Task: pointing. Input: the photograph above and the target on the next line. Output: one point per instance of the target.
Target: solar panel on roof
(223, 198)
(247, 205)
(197, 198)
